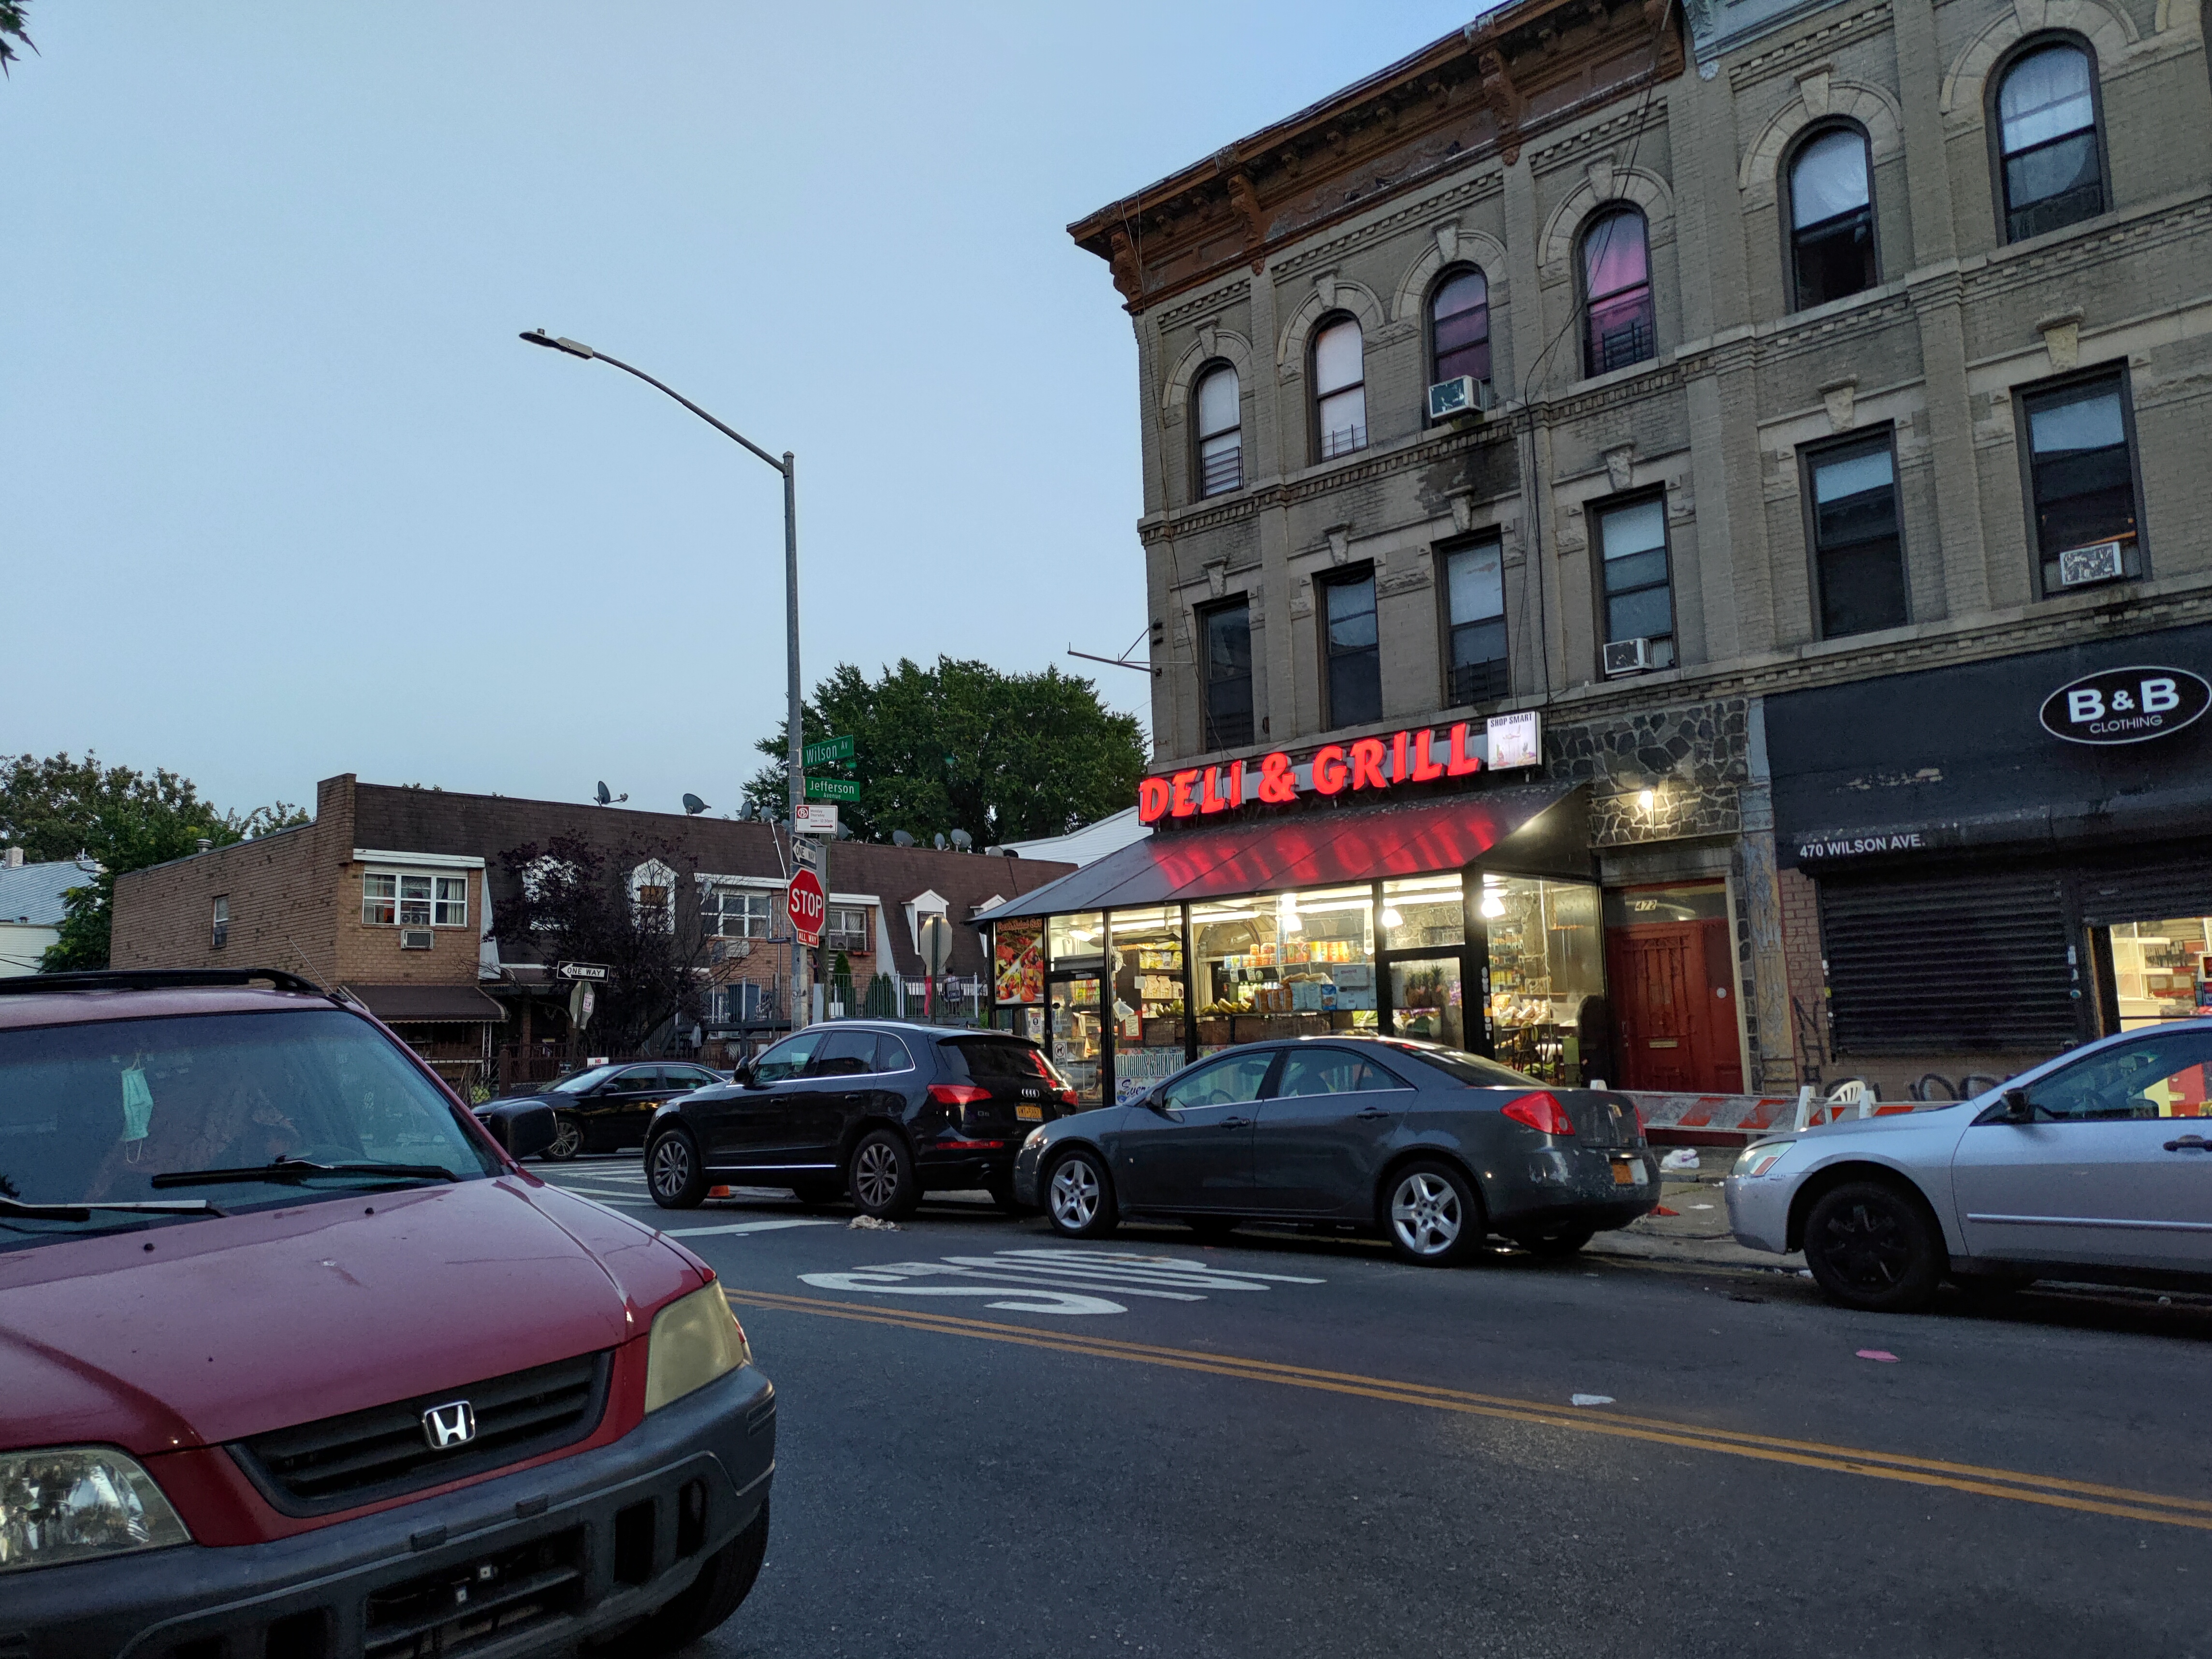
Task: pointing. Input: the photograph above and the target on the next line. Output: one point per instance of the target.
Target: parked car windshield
(583, 1081)
(1471, 1069)
(91, 1113)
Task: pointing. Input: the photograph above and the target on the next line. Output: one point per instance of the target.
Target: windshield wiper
(300, 1169)
(10, 1206)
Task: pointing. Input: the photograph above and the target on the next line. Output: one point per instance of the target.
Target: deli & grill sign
(2126, 705)
(1367, 763)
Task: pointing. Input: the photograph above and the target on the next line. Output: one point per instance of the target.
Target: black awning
(429, 1005)
(1316, 848)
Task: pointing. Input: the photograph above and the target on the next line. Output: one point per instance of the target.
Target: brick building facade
(393, 893)
(1811, 346)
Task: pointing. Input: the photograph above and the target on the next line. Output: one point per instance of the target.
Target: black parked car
(608, 1107)
(880, 1111)
(1433, 1148)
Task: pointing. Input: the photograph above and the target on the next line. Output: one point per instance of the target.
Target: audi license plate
(1030, 1114)
(1626, 1174)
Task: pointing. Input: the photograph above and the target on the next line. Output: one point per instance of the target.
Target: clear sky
(282, 496)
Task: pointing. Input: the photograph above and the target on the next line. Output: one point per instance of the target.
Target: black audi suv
(877, 1111)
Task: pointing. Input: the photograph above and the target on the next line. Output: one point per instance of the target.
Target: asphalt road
(996, 1441)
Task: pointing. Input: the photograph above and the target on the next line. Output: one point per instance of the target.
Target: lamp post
(785, 466)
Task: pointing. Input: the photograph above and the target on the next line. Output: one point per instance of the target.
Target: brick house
(393, 893)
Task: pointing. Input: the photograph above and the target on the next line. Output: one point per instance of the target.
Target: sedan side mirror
(522, 1130)
(2017, 1108)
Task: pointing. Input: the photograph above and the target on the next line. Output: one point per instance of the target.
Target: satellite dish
(844, 831)
(603, 797)
(962, 840)
(938, 841)
(693, 805)
(900, 838)
(745, 812)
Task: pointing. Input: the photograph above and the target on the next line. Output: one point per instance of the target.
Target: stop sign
(803, 902)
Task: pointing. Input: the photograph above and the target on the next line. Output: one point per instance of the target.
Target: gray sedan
(1433, 1148)
(2096, 1165)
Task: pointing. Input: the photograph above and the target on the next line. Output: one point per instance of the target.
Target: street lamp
(785, 466)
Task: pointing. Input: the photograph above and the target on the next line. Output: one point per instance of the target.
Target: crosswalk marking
(747, 1227)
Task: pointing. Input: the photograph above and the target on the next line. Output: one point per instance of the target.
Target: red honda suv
(296, 1362)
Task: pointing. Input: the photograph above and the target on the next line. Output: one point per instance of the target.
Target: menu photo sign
(1018, 962)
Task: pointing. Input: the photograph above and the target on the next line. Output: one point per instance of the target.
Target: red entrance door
(1673, 995)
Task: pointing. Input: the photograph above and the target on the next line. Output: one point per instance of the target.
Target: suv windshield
(582, 1082)
(90, 1115)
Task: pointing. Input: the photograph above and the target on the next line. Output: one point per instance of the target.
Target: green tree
(11, 30)
(123, 820)
(962, 746)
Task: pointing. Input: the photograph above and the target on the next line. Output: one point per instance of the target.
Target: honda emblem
(449, 1426)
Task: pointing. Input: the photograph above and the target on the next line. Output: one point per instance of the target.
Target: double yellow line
(2047, 1490)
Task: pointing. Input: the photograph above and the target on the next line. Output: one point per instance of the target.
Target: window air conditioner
(1464, 395)
(2098, 564)
(413, 938)
(1627, 656)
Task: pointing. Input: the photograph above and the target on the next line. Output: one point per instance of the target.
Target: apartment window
(1339, 366)
(1616, 268)
(846, 929)
(452, 909)
(737, 911)
(380, 901)
(2081, 484)
(1474, 625)
(1459, 326)
(414, 901)
(219, 922)
(1225, 639)
(2053, 171)
(1354, 660)
(1858, 555)
(1639, 604)
(1830, 217)
(1220, 432)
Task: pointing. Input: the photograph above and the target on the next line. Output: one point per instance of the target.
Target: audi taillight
(1069, 1098)
(1542, 1112)
(956, 1094)
(1639, 1110)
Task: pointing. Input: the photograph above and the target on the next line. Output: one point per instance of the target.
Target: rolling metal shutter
(1943, 963)
(2147, 888)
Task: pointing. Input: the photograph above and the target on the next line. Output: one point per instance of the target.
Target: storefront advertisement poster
(1018, 957)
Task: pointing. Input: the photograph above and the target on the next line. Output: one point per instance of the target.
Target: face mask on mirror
(137, 1104)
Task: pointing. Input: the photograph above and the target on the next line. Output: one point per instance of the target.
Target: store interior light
(1492, 905)
(1391, 918)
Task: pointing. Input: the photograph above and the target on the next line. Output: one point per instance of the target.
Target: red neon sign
(1371, 764)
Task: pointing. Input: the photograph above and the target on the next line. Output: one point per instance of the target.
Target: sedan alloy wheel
(567, 1139)
(1870, 1246)
(1434, 1215)
(1080, 1197)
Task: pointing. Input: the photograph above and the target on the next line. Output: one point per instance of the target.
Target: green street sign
(832, 789)
(829, 750)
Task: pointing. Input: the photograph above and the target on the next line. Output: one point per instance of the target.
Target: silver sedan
(2096, 1165)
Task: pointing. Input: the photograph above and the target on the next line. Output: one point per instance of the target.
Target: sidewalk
(1698, 1232)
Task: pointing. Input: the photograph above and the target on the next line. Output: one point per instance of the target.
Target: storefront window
(1424, 910)
(1077, 941)
(1284, 964)
(1148, 997)
(2161, 968)
(1545, 957)
(1077, 1039)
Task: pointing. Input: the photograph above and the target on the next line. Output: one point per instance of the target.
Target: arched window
(1220, 432)
(2047, 140)
(1830, 217)
(1340, 381)
(1617, 291)
(1459, 326)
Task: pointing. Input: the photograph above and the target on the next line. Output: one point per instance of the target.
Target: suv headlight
(72, 1503)
(1758, 1160)
(695, 1340)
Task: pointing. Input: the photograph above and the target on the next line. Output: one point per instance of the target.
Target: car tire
(1210, 1228)
(1555, 1242)
(1872, 1247)
(1079, 1196)
(880, 1177)
(725, 1579)
(818, 1194)
(1432, 1214)
(673, 1172)
(567, 1139)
